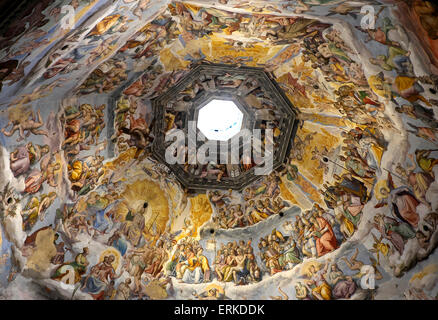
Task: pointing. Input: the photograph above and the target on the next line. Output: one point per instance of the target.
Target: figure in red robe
(325, 240)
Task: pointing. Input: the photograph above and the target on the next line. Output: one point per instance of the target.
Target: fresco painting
(87, 211)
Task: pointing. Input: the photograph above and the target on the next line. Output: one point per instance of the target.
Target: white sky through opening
(220, 120)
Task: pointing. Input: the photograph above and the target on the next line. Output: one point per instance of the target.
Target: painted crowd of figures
(339, 171)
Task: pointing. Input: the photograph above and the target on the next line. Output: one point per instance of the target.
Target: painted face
(412, 179)
(324, 50)
(384, 191)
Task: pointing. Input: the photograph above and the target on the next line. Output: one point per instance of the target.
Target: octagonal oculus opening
(220, 120)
